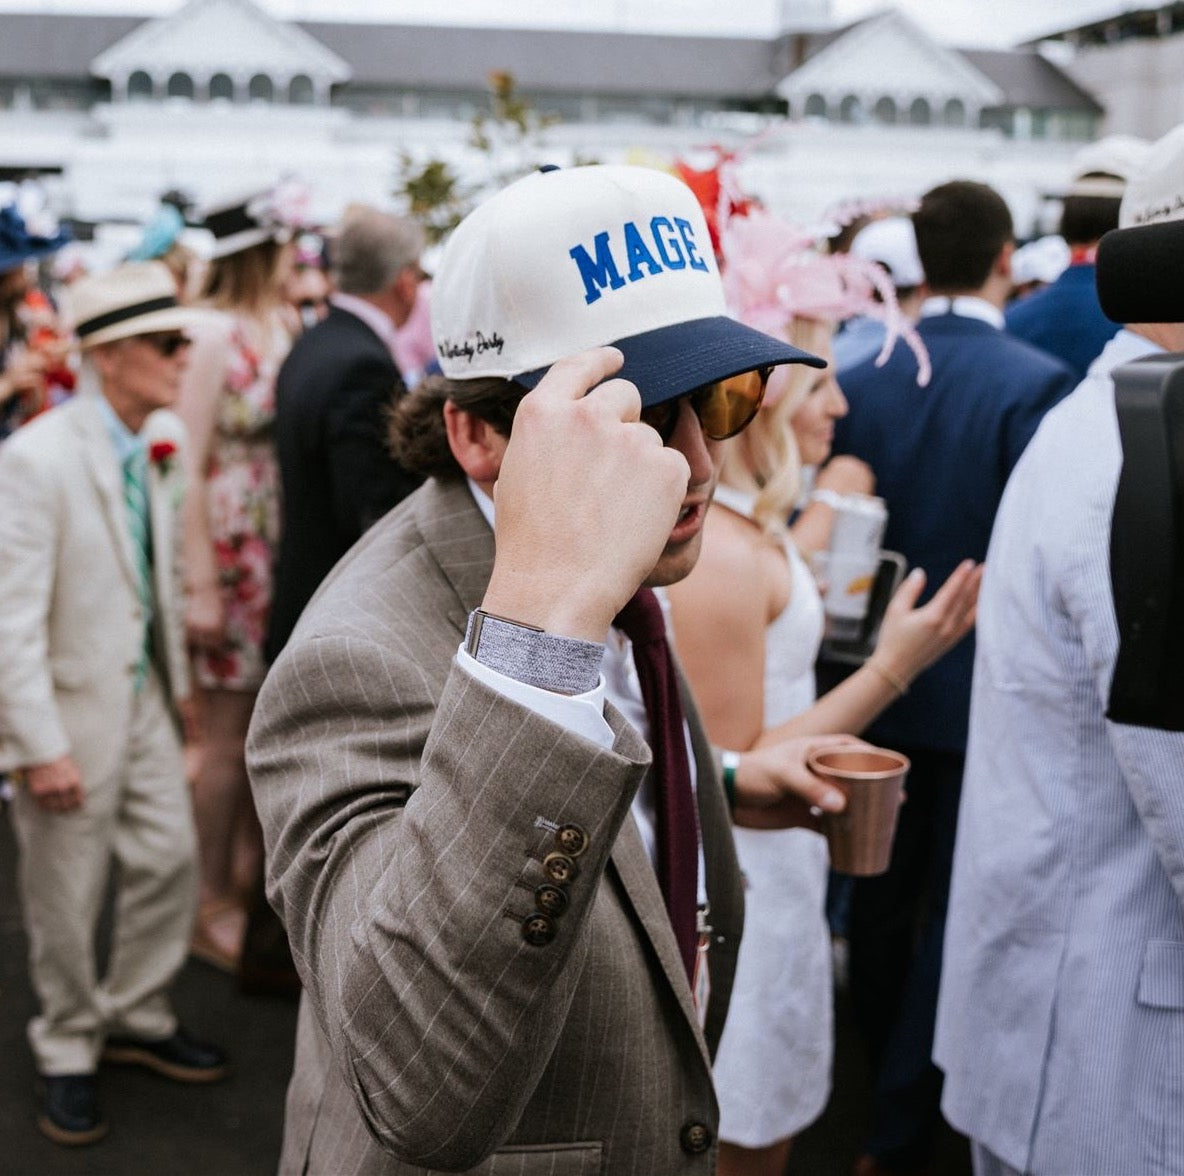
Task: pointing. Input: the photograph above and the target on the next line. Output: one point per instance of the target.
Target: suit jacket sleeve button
(559, 868)
(572, 840)
(695, 1138)
(551, 900)
(537, 929)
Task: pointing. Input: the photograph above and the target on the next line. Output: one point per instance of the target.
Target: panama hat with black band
(138, 298)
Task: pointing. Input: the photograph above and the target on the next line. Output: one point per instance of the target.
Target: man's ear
(403, 290)
(1003, 262)
(475, 443)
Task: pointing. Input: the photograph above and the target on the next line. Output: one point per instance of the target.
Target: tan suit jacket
(71, 629)
(408, 810)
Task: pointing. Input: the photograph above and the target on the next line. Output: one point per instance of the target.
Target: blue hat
(18, 245)
(160, 234)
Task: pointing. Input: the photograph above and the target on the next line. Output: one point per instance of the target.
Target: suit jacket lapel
(461, 541)
(105, 473)
(162, 525)
(724, 882)
(635, 872)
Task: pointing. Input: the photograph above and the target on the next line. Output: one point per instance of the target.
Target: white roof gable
(888, 55)
(206, 37)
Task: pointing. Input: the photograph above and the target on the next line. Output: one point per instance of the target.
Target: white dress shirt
(965, 305)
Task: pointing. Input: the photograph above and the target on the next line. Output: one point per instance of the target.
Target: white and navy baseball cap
(568, 259)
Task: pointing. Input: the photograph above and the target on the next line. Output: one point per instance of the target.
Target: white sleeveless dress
(772, 1072)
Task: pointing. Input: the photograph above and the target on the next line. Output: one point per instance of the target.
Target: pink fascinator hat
(774, 272)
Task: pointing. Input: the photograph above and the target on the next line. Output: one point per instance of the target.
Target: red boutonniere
(161, 454)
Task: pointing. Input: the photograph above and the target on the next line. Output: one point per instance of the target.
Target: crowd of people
(446, 648)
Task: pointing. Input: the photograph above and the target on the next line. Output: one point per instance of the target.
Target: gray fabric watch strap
(564, 665)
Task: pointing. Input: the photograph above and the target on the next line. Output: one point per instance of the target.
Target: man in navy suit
(1065, 318)
(332, 396)
(941, 455)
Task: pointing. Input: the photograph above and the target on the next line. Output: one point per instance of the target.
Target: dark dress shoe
(70, 1109)
(178, 1057)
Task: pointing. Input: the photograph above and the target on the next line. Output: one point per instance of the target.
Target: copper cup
(872, 779)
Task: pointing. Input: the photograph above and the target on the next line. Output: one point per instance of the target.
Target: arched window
(954, 114)
(300, 91)
(260, 89)
(180, 85)
(885, 111)
(919, 114)
(139, 86)
(222, 86)
(815, 106)
(851, 110)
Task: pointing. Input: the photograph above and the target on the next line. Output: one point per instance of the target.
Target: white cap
(1043, 260)
(893, 243)
(1156, 194)
(1121, 156)
(568, 259)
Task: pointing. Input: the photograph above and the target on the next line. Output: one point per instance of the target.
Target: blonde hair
(765, 456)
(244, 281)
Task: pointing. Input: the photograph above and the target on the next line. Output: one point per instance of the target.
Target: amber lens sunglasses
(723, 407)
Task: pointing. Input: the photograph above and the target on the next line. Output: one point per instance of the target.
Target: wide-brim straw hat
(137, 298)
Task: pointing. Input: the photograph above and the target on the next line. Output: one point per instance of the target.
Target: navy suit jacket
(1065, 319)
(941, 456)
(332, 396)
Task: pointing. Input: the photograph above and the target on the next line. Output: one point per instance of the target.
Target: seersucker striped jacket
(1061, 1019)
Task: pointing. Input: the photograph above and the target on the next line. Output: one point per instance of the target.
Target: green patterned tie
(135, 499)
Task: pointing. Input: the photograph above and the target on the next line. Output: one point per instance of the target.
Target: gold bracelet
(897, 684)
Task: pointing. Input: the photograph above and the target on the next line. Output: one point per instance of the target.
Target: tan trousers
(139, 818)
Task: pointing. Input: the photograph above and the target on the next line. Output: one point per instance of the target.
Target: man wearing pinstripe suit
(1061, 1018)
(459, 840)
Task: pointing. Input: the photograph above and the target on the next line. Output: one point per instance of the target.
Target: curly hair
(416, 432)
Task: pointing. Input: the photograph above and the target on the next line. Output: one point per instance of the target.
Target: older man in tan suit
(517, 936)
(93, 688)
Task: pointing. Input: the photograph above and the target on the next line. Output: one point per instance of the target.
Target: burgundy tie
(642, 622)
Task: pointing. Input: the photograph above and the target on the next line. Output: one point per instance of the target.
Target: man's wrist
(526, 653)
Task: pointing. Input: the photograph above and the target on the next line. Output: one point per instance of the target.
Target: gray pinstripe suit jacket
(407, 809)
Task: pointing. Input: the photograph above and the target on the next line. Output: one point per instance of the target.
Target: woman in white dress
(747, 624)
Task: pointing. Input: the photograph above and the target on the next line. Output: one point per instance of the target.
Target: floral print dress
(243, 499)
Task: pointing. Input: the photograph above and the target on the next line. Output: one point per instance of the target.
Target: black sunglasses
(723, 407)
(167, 344)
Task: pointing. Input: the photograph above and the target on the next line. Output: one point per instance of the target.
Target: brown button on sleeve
(551, 899)
(572, 840)
(559, 868)
(537, 929)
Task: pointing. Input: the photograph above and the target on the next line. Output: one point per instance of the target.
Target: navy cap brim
(672, 361)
